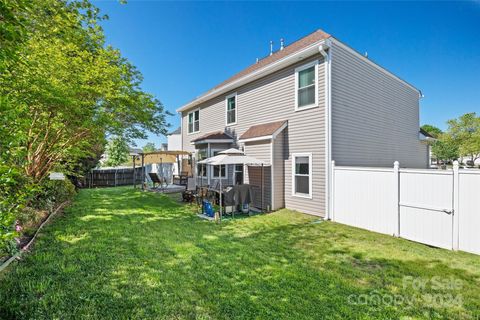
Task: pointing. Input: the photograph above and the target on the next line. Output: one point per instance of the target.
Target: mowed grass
(123, 254)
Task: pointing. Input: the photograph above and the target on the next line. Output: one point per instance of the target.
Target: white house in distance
(311, 102)
(174, 143)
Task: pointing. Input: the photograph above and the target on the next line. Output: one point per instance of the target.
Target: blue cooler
(208, 208)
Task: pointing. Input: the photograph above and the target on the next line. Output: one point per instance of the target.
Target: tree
(465, 133)
(70, 90)
(432, 130)
(445, 148)
(149, 147)
(117, 152)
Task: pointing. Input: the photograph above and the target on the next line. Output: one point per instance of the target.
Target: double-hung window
(194, 121)
(231, 109)
(306, 88)
(302, 175)
(220, 171)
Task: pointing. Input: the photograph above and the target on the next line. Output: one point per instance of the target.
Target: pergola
(170, 156)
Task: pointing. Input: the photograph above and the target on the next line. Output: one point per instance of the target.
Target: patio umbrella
(233, 156)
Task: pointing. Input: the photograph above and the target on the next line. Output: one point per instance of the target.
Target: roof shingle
(261, 130)
(217, 135)
(313, 37)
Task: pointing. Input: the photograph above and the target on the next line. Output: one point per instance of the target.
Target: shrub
(14, 192)
(53, 192)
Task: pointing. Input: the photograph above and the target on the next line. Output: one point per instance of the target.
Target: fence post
(455, 206)
(331, 193)
(396, 197)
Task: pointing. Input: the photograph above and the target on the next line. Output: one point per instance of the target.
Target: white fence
(436, 207)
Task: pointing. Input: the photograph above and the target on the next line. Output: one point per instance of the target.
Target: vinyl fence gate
(440, 208)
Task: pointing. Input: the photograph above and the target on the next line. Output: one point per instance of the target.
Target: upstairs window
(302, 175)
(194, 121)
(306, 91)
(231, 112)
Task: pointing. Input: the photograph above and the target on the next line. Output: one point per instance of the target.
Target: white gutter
(269, 68)
(325, 51)
(269, 137)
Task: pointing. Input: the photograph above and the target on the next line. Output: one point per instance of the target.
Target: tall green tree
(445, 148)
(432, 130)
(149, 147)
(465, 133)
(71, 90)
(117, 152)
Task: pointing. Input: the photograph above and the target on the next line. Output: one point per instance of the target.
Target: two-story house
(314, 101)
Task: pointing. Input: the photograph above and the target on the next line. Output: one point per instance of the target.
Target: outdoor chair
(215, 185)
(181, 179)
(190, 193)
(155, 179)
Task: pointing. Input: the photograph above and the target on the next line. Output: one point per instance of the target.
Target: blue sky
(185, 48)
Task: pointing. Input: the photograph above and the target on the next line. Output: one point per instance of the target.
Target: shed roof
(216, 135)
(261, 130)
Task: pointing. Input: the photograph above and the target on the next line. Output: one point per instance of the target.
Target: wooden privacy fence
(114, 177)
(437, 207)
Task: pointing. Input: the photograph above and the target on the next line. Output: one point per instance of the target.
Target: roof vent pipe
(271, 47)
(282, 43)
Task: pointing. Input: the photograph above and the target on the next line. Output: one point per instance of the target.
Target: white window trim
(212, 154)
(212, 171)
(188, 124)
(310, 175)
(297, 70)
(226, 109)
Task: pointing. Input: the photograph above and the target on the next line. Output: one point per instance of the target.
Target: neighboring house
(312, 102)
(174, 143)
(428, 139)
(174, 140)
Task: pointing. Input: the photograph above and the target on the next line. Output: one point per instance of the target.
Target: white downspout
(325, 51)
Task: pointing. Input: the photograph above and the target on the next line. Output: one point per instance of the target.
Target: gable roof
(311, 39)
(263, 130)
(291, 48)
(217, 135)
(298, 50)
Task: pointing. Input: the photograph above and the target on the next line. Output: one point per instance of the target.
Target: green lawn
(124, 254)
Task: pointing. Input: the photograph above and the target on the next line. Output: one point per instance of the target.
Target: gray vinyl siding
(272, 98)
(278, 184)
(375, 116)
